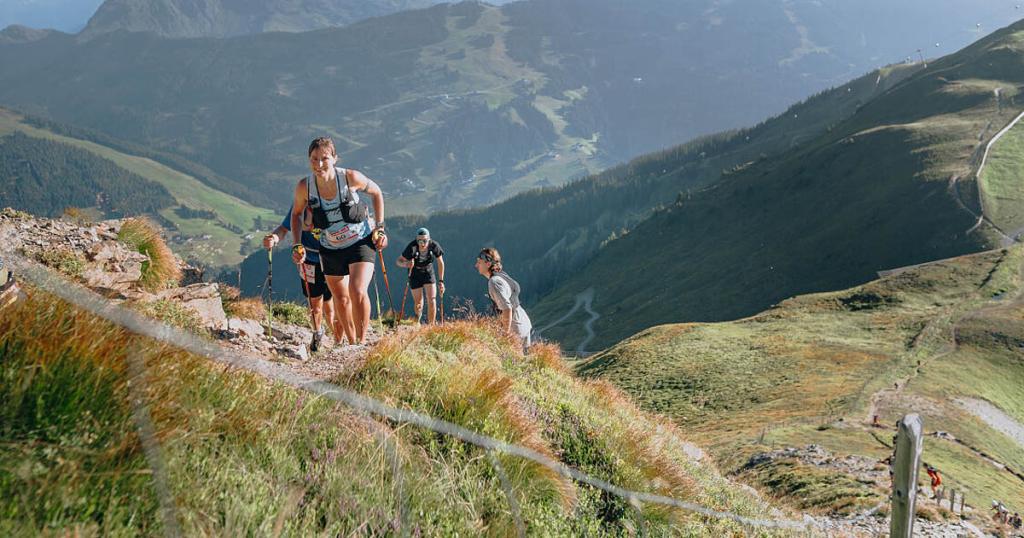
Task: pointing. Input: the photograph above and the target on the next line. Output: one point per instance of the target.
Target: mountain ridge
(229, 18)
(875, 192)
(469, 103)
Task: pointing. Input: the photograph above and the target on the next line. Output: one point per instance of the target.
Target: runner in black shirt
(421, 253)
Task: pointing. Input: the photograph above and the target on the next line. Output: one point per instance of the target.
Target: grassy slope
(871, 194)
(1002, 182)
(223, 247)
(244, 456)
(832, 359)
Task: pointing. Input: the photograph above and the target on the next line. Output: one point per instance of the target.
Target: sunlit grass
(161, 270)
(248, 457)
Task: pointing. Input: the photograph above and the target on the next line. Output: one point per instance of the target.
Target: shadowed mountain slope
(890, 186)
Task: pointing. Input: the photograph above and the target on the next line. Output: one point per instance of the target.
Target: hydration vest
(353, 210)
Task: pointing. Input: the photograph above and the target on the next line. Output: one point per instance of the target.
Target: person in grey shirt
(504, 293)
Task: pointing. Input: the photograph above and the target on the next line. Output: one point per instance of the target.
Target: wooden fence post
(909, 443)
(963, 499)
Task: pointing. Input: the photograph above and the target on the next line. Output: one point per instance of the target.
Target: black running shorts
(315, 282)
(419, 278)
(336, 262)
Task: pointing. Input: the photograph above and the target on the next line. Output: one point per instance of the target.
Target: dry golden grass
(161, 271)
(241, 307)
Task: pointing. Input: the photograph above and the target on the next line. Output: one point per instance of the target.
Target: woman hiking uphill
(504, 293)
(348, 236)
(419, 257)
(314, 285)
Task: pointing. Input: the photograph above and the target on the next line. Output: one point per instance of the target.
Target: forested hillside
(46, 177)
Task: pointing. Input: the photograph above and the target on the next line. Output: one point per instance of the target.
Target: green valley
(208, 241)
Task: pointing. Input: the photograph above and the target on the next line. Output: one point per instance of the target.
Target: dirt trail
(980, 156)
(988, 413)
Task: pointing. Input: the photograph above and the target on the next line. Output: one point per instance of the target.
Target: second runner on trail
(349, 235)
(418, 257)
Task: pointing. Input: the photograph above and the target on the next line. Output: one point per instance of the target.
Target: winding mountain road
(584, 299)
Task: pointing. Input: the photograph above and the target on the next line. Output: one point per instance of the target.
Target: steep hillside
(890, 186)
(463, 105)
(547, 235)
(108, 432)
(206, 224)
(943, 340)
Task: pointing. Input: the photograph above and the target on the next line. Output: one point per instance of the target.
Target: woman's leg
(417, 302)
(339, 286)
(430, 290)
(360, 274)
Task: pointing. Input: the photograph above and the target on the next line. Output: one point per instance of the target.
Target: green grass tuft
(293, 313)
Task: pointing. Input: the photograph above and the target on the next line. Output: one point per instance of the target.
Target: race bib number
(308, 273)
(342, 237)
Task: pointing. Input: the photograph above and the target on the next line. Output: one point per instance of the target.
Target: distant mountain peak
(17, 33)
(226, 18)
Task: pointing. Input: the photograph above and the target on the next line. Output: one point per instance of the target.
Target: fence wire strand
(150, 445)
(43, 278)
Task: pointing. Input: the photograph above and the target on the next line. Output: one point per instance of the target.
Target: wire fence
(46, 280)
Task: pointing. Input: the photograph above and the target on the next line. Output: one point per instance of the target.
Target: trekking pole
(376, 293)
(387, 286)
(305, 283)
(401, 313)
(270, 291)
(440, 284)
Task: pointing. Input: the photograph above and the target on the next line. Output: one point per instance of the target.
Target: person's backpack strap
(349, 178)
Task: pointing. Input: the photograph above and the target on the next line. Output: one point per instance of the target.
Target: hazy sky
(65, 15)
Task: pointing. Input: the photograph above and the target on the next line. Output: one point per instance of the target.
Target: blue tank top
(339, 234)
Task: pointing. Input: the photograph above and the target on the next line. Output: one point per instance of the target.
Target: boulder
(293, 351)
(203, 299)
(247, 327)
(117, 277)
